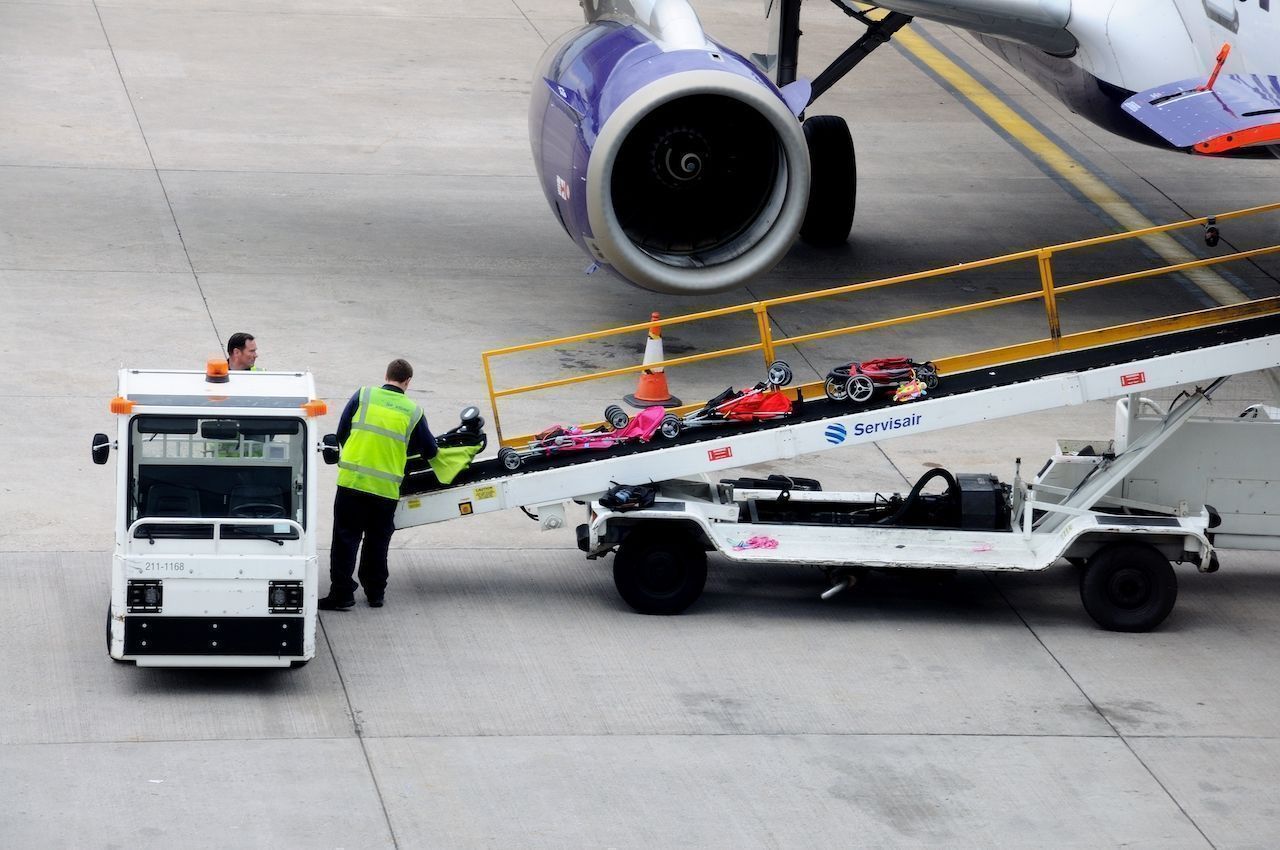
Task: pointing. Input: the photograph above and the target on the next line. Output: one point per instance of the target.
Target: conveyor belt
(421, 481)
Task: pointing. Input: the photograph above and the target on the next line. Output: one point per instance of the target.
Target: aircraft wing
(1239, 111)
(1039, 23)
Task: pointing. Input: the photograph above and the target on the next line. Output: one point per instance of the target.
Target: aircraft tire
(833, 182)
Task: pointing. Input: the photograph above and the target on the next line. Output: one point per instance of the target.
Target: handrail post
(493, 398)
(1045, 261)
(766, 335)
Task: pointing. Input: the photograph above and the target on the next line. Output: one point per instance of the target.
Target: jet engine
(668, 158)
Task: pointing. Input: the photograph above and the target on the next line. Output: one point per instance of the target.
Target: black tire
(928, 375)
(1128, 587)
(859, 389)
(780, 373)
(670, 426)
(659, 572)
(616, 416)
(833, 182)
(835, 389)
(509, 458)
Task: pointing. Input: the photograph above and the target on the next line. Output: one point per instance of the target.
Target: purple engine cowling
(669, 159)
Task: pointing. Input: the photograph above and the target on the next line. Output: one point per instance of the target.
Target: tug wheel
(659, 574)
(1128, 588)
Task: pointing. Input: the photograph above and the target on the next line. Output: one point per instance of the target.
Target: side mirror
(329, 448)
(101, 448)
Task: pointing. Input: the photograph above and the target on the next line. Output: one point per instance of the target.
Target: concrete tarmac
(352, 183)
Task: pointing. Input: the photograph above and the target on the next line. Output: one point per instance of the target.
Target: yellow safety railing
(1047, 293)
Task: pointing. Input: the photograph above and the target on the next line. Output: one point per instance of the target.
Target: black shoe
(332, 603)
(375, 601)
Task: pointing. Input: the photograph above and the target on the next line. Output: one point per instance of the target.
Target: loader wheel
(616, 416)
(659, 574)
(1128, 587)
(859, 389)
(509, 458)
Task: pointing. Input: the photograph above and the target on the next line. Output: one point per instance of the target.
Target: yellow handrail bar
(1048, 293)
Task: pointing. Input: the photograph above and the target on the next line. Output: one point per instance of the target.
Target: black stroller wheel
(509, 458)
(616, 416)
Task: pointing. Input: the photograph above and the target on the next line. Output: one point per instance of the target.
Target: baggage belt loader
(1125, 543)
(977, 522)
(1075, 508)
(215, 543)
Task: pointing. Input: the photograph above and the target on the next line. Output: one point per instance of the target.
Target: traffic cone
(652, 389)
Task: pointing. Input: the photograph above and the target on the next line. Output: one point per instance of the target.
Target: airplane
(687, 168)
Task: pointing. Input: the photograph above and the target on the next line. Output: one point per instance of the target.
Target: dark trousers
(359, 515)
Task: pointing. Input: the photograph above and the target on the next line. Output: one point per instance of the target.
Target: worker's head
(399, 372)
(242, 352)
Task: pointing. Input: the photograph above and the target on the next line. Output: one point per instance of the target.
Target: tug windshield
(215, 468)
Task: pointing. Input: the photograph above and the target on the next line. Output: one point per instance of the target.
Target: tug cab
(215, 532)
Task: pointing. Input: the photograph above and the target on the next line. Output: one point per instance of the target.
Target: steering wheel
(257, 510)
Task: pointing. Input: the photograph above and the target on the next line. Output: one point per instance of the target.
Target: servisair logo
(837, 433)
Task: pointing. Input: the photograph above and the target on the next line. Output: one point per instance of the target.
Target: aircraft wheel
(780, 373)
(509, 458)
(616, 416)
(1128, 587)
(833, 182)
(670, 427)
(659, 573)
(859, 389)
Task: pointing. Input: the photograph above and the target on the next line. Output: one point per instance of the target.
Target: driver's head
(242, 352)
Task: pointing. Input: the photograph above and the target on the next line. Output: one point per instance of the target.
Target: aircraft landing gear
(833, 184)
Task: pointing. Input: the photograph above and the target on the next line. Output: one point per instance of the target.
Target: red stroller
(760, 403)
(858, 382)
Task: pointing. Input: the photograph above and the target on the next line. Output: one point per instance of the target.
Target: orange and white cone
(652, 389)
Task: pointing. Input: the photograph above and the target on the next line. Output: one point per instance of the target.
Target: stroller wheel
(670, 427)
(616, 416)
(836, 390)
(509, 458)
(928, 373)
(779, 373)
(859, 389)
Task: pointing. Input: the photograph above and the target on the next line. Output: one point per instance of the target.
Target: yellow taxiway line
(1063, 164)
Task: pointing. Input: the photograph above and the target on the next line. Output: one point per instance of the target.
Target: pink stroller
(620, 429)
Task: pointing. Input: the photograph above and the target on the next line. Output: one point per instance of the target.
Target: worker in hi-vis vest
(242, 353)
(379, 429)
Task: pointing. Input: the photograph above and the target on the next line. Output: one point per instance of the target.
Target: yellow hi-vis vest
(373, 457)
